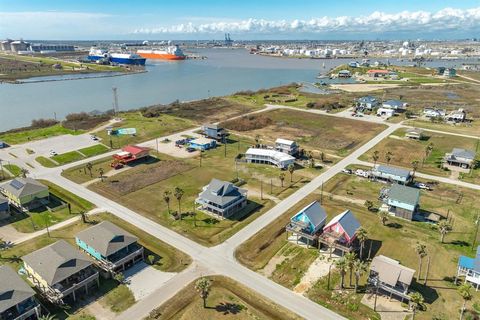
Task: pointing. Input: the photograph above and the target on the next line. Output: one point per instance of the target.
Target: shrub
(151, 259)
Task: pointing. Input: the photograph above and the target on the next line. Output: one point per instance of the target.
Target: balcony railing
(29, 313)
(110, 265)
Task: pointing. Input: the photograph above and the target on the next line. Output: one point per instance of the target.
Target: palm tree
(350, 259)
(428, 149)
(101, 172)
(257, 139)
(282, 177)
(341, 265)
(178, 193)
(388, 156)
(203, 287)
(444, 227)
(24, 172)
(47, 317)
(414, 167)
(362, 237)
(375, 157)
(360, 268)
(89, 167)
(416, 302)
(291, 169)
(166, 198)
(383, 215)
(465, 291)
(368, 204)
(421, 251)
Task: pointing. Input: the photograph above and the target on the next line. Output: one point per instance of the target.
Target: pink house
(340, 233)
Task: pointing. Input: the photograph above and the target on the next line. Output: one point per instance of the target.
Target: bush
(83, 120)
(43, 123)
(151, 259)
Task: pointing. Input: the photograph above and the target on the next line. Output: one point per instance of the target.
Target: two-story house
(222, 198)
(286, 146)
(307, 224)
(26, 193)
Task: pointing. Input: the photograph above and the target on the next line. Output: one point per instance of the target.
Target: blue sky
(246, 19)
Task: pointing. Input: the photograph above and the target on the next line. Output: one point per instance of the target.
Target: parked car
(94, 137)
(347, 171)
(361, 173)
(53, 153)
(423, 186)
(191, 149)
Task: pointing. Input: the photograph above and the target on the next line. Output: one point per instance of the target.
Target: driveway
(139, 279)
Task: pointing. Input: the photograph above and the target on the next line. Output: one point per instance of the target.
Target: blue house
(470, 269)
(308, 223)
(391, 174)
(113, 248)
(3, 144)
(202, 144)
(367, 102)
(402, 201)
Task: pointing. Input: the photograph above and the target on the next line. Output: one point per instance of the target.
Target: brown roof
(391, 271)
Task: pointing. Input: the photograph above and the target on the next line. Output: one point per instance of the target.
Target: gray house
(396, 105)
(402, 201)
(16, 297)
(390, 276)
(113, 248)
(391, 174)
(60, 272)
(462, 158)
(222, 198)
(26, 193)
(367, 103)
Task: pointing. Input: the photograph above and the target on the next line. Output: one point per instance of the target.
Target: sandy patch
(318, 269)
(388, 309)
(363, 87)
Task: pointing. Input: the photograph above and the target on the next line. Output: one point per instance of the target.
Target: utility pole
(261, 189)
(200, 158)
(477, 223)
(157, 146)
(115, 101)
(271, 186)
(1, 169)
(321, 195)
(225, 146)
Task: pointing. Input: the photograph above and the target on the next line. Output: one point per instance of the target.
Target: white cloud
(448, 19)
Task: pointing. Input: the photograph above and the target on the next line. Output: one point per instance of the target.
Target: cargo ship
(170, 53)
(115, 57)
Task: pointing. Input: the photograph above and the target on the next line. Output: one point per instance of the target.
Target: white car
(53, 153)
(361, 173)
(347, 171)
(94, 138)
(423, 186)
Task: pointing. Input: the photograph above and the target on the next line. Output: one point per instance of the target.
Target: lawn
(36, 134)
(67, 157)
(320, 133)
(458, 202)
(143, 181)
(147, 128)
(81, 174)
(94, 150)
(72, 156)
(227, 300)
(118, 298)
(405, 151)
(46, 162)
(41, 218)
(13, 169)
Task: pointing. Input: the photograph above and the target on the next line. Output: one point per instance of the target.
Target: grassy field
(227, 300)
(46, 162)
(36, 134)
(94, 150)
(168, 173)
(80, 174)
(327, 134)
(13, 169)
(40, 218)
(459, 202)
(147, 128)
(118, 298)
(405, 151)
(72, 156)
(470, 128)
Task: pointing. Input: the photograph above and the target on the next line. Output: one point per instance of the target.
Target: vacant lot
(81, 174)
(147, 128)
(227, 300)
(29, 134)
(40, 218)
(405, 151)
(257, 251)
(188, 175)
(336, 136)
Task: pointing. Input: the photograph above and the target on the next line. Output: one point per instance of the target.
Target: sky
(244, 20)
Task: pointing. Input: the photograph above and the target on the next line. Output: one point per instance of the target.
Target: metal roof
(394, 103)
(284, 141)
(394, 171)
(106, 238)
(348, 222)
(463, 153)
(314, 212)
(20, 187)
(277, 155)
(367, 99)
(221, 192)
(57, 262)
(404, 194)
(13, 289)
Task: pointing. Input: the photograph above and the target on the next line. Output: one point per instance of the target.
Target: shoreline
(103, 75)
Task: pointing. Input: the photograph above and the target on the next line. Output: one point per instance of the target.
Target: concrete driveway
(139, 279)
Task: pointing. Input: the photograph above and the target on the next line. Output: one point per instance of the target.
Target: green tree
(465, 291)
(350, 258)
(178, 193)
(362, 237)
(203, 286)
(282, 177)
(291, 169)
(375, 157)
(359, 268)
(416, 302)
(151, 259)
(257, 139)
(428, 149)
(341, 265)
(24, 172)
(383, 215)
(166, 197)
(444, 227)
(119, 277)
(421, 251)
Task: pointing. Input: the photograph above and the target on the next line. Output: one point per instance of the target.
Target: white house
(286, 146)
(457, 115)
(395, 105)
(385, 112)
(434, 113)
(269, 156)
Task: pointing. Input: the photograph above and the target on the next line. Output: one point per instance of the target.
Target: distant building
(113, 248)
(202, 144)
(17, 301)
(457, 116)
(341, 232)
(307, 224)
(391, 174)
(461, 158)
(434, 113)
(222, 198)
(414, 133)
(344, 74)
(40, 47)
(402, 201)
(367, 102)
(269, 156)
(470, 269)
(385, 112)
(286, 146)
(19, 45)
(390, 276)
(378, 73)
(131, 153)
(354, 64)
(26, 193)
(396, 105)
(60, 272)
(214, 131)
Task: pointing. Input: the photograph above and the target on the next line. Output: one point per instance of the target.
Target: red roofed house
(131, 153)
(378, 73)
(341, 232)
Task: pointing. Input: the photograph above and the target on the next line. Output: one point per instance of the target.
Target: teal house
(402, 201)
(112, 248)
(202, 144)
(307, 224)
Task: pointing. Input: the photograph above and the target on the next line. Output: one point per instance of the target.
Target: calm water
(224, 72)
